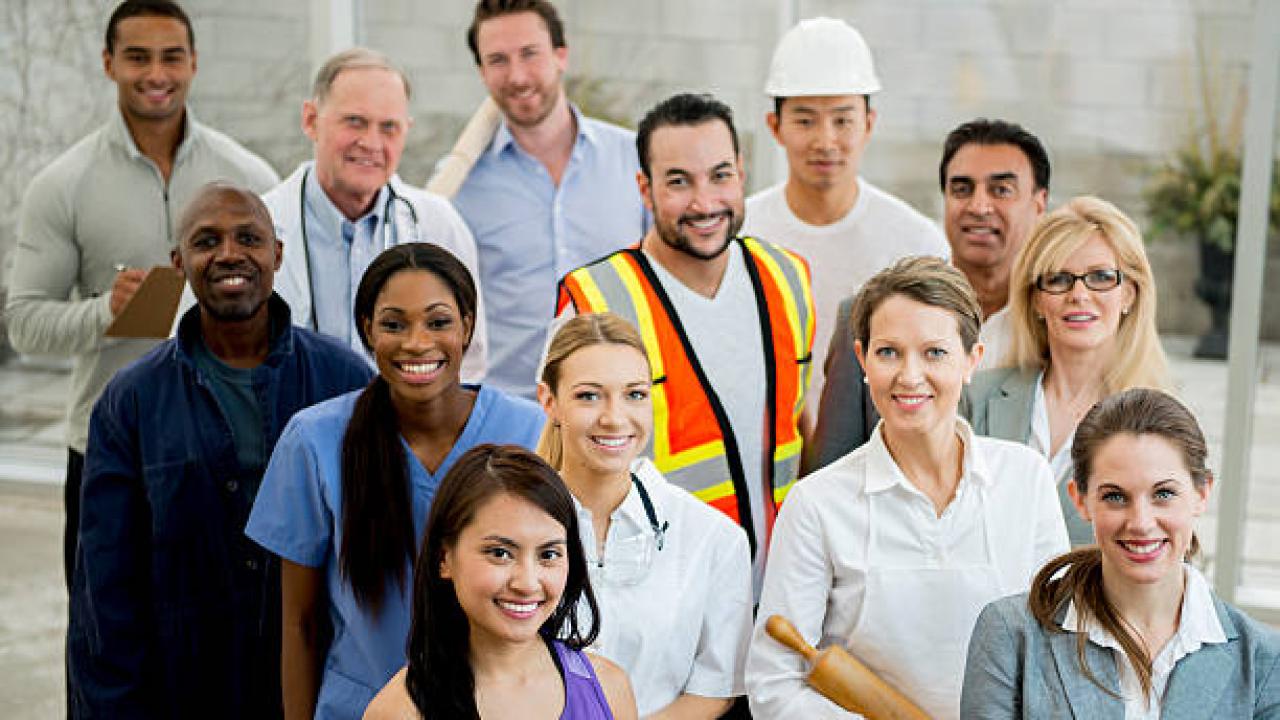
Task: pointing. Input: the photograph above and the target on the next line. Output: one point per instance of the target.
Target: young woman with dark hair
(494, 632)
(345, 497)
(1126, 628)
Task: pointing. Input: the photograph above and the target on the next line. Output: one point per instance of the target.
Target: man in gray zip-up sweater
(112, 201)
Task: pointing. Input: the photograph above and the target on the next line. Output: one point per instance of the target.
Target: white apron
(915, 623)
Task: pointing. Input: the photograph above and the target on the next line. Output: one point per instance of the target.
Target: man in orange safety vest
(727, 320)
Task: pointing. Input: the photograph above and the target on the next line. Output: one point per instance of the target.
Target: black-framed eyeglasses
(1101, 280)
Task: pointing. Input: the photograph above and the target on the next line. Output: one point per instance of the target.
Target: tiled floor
(33, 453)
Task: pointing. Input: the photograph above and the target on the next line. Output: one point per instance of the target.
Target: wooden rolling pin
(452, 171)
(843, 679)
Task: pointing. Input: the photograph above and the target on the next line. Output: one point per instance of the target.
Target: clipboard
(149, 313)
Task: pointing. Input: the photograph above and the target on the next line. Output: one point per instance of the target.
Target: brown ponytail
(1081, 584)
(1077, 576)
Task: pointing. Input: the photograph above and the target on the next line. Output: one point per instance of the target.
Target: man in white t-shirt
(994, 177)
(715, 310)
(821, 79)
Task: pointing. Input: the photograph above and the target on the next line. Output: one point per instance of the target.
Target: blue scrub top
(298, 516)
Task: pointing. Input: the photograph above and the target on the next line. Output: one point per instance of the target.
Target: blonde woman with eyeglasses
(671, 574)
(1082, 304)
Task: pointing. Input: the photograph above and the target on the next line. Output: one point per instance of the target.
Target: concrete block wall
(632, 54)
(1108, 84)
(1111, 86)
(253, 73)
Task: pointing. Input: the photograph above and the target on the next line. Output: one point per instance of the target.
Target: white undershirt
(1078, 529)
(877, 231)
(1198, 625)
(1042, 437)
(994, 336)
(725, 334)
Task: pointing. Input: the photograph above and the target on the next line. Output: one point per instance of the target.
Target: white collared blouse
(1198, 625)
(677, 619)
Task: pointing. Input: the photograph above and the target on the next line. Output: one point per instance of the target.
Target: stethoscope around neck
(659, 529)
(388, 219)
(635, 554)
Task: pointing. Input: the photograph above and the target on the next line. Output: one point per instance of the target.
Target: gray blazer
(846, 416)
(998, 403)
(1017, 669)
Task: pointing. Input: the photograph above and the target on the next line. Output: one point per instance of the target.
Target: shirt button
(251, 564)
(232, 486)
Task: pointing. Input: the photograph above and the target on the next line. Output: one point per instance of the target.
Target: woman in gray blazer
(1082, 309)
(1126, 628)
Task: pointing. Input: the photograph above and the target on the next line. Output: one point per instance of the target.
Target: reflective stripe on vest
(692, 442)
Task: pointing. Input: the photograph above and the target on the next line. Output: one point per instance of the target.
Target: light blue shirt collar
(319, 202)
(503, 139)
(338, 252)
(531, 232)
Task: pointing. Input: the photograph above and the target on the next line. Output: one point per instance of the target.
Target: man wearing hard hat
(822, 78)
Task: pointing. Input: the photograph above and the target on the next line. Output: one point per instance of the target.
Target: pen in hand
(126, 284)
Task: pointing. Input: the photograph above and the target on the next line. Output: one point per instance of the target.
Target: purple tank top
(583, 697)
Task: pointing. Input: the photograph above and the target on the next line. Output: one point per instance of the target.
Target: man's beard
(676, 240)
(549, 95)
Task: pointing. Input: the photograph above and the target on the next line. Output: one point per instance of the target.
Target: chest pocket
(176, 498)
(197, 524)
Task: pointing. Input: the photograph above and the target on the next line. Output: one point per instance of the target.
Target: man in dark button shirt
(175, 613)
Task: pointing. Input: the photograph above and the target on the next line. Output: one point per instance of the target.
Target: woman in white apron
(892, 550)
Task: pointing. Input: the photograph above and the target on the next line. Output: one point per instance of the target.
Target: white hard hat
(821, 56)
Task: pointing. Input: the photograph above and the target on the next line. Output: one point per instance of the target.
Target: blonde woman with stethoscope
(672, 576)
(892, 550)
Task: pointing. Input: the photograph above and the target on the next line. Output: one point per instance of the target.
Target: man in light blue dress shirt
(553, 191)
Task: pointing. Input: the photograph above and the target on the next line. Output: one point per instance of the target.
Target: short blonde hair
(925, 279)
(580, 332)
(1057, 236)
